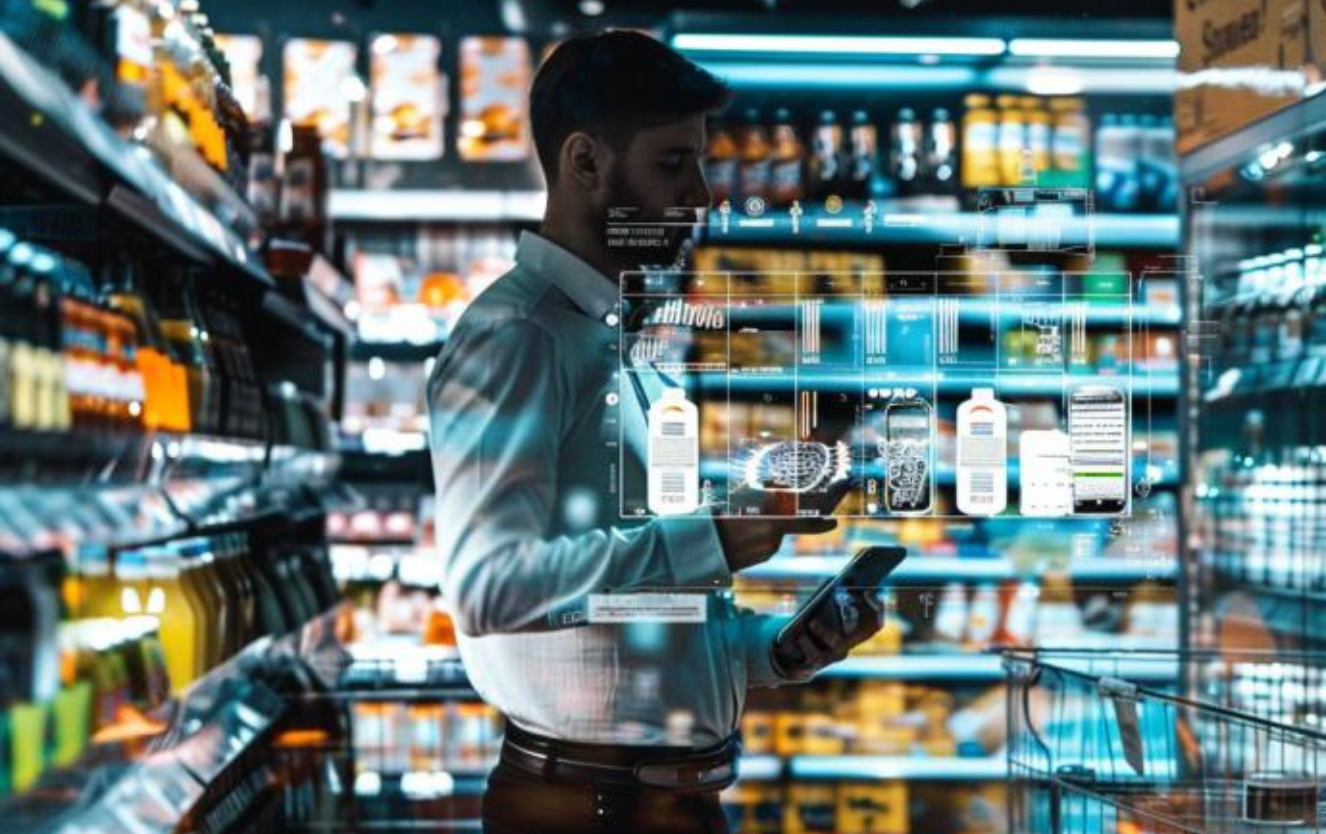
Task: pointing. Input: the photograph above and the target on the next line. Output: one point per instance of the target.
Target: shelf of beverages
(863, 224)
(905, 174)
(988, 567)
(113, 640)
(104, 169)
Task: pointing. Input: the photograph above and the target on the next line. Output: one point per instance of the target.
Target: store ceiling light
(843, 45)
(840, 76)
(1048, 81)
(1071, 48)
(592, 8)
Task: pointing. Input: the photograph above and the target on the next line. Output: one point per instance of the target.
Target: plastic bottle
(754, 166)
(1038, 133)
(980, 144)
(826, 157)
(1012, 139)
(863, 158)
(1116, 163)
(720, 169)
(941, 152)
(787, 161)
(168, 601)
(951, 614)
(905, 151)
(982, 455)
(674, 454)
(1070, 155)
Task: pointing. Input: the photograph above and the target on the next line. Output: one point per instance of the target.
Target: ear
(584, 160)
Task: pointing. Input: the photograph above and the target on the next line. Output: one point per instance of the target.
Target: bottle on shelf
(941, 162)
(980, 146)
(787, 182)
(754, 165)
(720, 170)
(863, 173)
(1037, 134)
(826, 157)
(1012, 139)
(905, 152)
(1116, 163)
(174, 607)
(1070, 145)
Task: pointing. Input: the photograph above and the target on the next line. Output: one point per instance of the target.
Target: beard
(676, 241)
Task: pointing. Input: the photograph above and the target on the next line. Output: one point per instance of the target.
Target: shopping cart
(1104, 743)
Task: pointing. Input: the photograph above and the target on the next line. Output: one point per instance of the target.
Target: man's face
(661, 168)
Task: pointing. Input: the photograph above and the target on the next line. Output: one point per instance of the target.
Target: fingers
(808, 526)
(830, 638)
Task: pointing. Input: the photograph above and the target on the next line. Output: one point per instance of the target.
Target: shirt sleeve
(497, 413)
(756, 633)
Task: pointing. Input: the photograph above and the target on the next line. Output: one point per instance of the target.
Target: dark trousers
(517, 802)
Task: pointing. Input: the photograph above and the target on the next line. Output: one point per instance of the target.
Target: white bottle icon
(674, 454)
(982, 454)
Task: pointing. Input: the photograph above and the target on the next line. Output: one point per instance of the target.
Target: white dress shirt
(525, 459)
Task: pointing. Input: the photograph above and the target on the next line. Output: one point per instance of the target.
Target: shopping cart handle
(1117, 688)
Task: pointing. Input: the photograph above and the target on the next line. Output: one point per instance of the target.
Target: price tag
(651, 608)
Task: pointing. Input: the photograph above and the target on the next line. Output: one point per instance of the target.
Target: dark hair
(612, 85)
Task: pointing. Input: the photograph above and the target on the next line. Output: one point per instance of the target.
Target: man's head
(618, 120)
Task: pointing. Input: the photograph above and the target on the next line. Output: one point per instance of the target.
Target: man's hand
(750, 541)
(859, 616)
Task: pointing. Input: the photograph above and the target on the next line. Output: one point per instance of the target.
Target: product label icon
(674, 454)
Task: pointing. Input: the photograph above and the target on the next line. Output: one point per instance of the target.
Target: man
(611, 727)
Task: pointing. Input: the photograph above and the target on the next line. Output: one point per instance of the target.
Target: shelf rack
(921, 227)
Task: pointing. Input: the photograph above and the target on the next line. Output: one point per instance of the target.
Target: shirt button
(611, 319)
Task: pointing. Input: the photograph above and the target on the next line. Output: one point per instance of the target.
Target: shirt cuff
(695, 555)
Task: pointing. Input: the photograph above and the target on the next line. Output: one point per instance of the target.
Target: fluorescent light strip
(836, 44)
(1121, 49)
(752, 76)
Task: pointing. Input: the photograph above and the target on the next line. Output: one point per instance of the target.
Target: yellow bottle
(980, 144)
(1012, 139)
(178, 621)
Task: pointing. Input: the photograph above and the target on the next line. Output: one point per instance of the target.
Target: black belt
(677, 769)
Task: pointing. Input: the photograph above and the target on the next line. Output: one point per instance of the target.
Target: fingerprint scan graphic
(797, 466)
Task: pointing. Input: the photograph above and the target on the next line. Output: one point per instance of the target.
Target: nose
(697, 189)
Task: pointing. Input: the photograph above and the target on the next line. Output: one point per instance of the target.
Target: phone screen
(1098, 431)
(907, 456)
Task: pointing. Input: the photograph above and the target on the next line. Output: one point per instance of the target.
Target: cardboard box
(1240, 61)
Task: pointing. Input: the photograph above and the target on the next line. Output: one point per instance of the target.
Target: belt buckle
(682, 778)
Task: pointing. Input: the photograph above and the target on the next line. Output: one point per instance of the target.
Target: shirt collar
(588, 289)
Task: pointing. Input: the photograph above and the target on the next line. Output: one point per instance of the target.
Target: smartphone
(865, 573)
(908, 453)
(1098, 435)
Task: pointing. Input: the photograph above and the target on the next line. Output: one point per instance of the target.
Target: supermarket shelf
(441, 206)
(921, 570)
(46, 129)
(1012, 382)
(956, 769)
(1158, 231)
(782, 310)
(1242, 146)
(406, 352)
(1164, 476)
(974, 668)
(760, 768)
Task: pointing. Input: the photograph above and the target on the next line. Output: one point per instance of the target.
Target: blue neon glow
(836, 44)
(1116, 49)
(839, 75)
